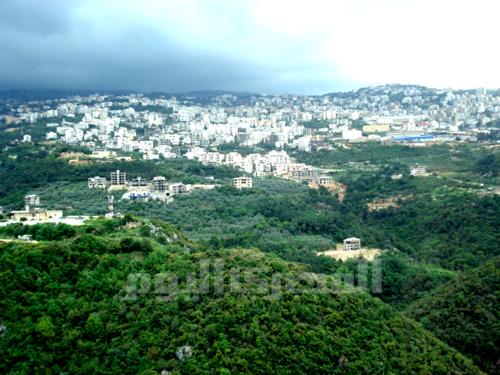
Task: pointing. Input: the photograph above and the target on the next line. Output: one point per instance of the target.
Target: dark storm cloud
(49, 44)
(247, 45)
(40, 17)
(83, 45)
(122, 61)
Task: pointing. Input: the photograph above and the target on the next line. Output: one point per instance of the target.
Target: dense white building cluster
(170, 126)
(274, 163)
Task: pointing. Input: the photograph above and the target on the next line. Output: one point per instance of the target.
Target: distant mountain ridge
(42, 94)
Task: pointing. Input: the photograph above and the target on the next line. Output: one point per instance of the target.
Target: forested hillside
(66, 307)
(446, 226)
(458, 231)
(465, 313)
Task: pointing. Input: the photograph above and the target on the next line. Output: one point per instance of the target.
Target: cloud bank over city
(248, 45)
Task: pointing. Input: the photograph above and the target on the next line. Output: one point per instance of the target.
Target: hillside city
(171, 126)
(192, 187)
(200, 126)
(355, 214)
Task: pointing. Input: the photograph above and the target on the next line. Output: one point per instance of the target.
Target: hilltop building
(243, 183)
(139, 182)
(38, 214)
(31, 200)
(418, 170)
(31, 212)
(118, 178)
(305, 173)
(160, 184)
(352, 243)
(25, 237)
(352, 134)
(376, 128)
(179, 188)
(97, 182)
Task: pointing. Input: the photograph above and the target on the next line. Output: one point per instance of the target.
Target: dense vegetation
(24, 168)
(455, 231)
(316, 124)
(403, 279)
(465, 314)
(488, 165)
(42, 232)
(65, 307)
(446, 225)
(440, 157)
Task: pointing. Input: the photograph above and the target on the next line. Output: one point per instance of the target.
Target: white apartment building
(139, 182)
(350, 134)
(31, 200)
(352, 243)
(160, 184)
(243, 183)
(97, 183)
(179, 188)
(51, 135)
(118, 178)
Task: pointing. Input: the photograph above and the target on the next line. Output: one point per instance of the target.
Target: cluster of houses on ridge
(158, 188)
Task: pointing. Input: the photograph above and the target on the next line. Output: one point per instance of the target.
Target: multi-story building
(352, 243)
(36, 214)
(97, 182)
(306, 173)
(160, 184)
(243, 183)
(325, 180)
(179, 188)
(139, 182)
(31, 200)
(118, 178)
(31, 212)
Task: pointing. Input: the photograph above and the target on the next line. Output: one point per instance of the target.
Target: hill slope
(465, 314)
(125, 298)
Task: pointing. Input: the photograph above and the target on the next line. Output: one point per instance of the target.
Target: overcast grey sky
(272, 46)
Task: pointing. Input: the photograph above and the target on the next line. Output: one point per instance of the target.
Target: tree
(488, 165)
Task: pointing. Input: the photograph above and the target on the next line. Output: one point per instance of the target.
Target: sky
(262, 46)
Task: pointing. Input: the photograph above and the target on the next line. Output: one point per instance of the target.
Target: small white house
(418, 170)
